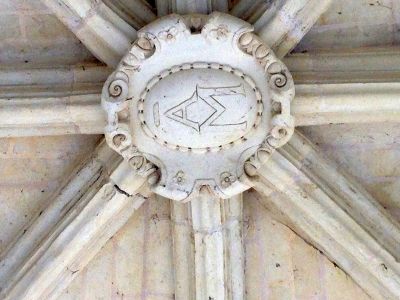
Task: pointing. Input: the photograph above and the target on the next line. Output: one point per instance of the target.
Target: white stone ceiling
(30, 34)
(370, 153)
(354, 24)
(32, 168)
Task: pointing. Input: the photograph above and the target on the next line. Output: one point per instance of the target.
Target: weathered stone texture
(352, 24)
(280, 265)
(137, 262)
(31, 34)
(370, 154)
(31, 169)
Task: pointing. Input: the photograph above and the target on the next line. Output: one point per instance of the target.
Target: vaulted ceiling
(321, 221)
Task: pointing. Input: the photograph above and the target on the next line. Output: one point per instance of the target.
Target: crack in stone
(121, 191)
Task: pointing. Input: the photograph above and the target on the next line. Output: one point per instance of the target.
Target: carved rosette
(198, 100)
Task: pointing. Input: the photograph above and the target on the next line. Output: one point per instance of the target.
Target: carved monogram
(203, 110)
(222, 109)
(199, 100)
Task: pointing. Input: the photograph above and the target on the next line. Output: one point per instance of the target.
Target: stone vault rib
(208, 248)
(252, 10)
(319, 104)
(165, 7)
(292, 20)
(52, 81)
(30, 108)
(45, 101)
(136, 13)
(77, 114)
(90, 208)
(314, 104)
(359, 65)
(100, 29)
(332, 212)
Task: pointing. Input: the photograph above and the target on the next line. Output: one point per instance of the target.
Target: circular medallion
(194, 100)
(200, 106)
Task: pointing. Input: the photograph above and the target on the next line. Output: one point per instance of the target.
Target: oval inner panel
(200, 108)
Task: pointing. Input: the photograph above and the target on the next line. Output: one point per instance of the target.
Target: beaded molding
(199, 65)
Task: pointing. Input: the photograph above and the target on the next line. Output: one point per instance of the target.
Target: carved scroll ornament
(198, 100)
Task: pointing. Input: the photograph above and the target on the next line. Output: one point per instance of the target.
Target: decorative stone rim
(192, 66)
(282, 93)
(277, 78)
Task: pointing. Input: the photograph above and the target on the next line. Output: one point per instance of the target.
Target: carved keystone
(204, 97)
